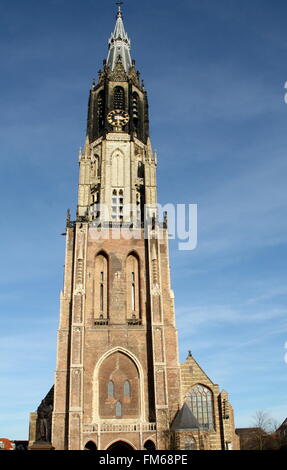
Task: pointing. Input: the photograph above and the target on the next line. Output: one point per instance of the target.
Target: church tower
(118, 380)
(118, 373)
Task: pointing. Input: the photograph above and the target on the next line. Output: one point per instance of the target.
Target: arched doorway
(149, 446)
(120, 445)
(90, 446)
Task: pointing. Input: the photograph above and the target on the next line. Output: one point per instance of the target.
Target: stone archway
(120, 445)
(90, 446)
(119, 394)
(149, 445)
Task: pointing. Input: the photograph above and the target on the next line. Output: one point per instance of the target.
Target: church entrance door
(120, 445)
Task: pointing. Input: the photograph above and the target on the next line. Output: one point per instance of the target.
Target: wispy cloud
(194, 316)
(269, 294)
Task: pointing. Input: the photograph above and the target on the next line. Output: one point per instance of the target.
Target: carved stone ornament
(118, 74)
(117, 276)
(79, 290)
(133, 75)
(81, 239)
(155, 290)
(121, 137)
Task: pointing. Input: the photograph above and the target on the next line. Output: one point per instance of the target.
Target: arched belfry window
(101, 109)
(135, 109)
(200, 401)
(119, 98)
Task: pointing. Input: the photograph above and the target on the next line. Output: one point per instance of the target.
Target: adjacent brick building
(118, 382)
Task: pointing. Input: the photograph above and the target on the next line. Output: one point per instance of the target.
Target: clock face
(118, 118)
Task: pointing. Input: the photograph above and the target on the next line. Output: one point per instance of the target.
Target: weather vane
(119, 3)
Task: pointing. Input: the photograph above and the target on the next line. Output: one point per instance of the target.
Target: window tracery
(200, 401)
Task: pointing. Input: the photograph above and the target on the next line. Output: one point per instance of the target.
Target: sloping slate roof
(282, 426)
(185, 420)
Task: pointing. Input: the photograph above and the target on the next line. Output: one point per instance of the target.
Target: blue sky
(215, 73)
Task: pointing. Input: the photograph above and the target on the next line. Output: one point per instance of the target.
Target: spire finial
(119, 4)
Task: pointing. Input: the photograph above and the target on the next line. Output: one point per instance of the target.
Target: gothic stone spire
(119, 45)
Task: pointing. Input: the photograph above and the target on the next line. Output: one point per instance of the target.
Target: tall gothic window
(200, 401)
(118, 409)
(111, 389)
(117, 205)
(101, 109)
(127, 389)
(133, 291)
(101, 287)
(119, 98)
(117, 170)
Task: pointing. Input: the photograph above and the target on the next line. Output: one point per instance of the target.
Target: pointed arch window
(121, 371)
(118, 409)
(118, 169)
(133, 287)
(101, 287)
(133, 292)
(119, 98)
(111, 389)
(127, 389)
(200, 401)
(135, 108)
